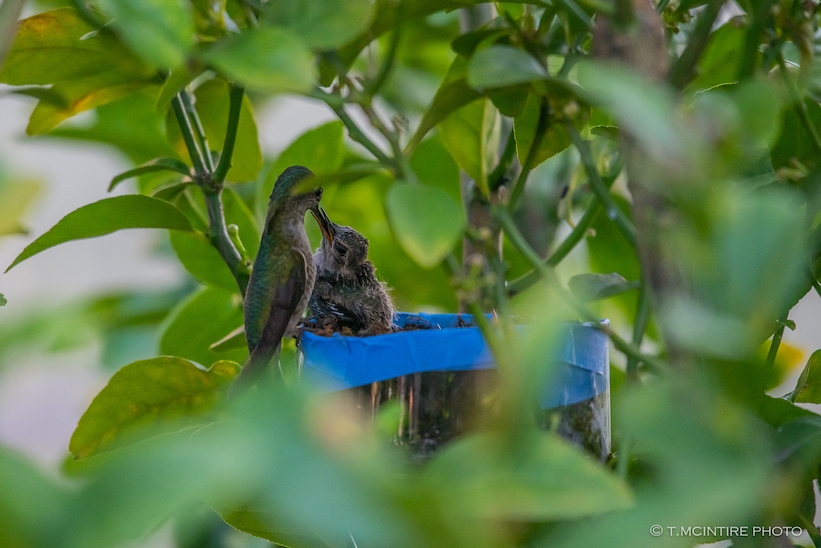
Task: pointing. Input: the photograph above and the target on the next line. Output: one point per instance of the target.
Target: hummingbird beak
(327, 228)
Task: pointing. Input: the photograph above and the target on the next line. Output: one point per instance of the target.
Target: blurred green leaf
(644, 109)
(3, 300)
(452, 94)
(165, 393)
(427, 221)
(201, 320)
(59, 46)
(471, 135)
(159, 31)
(264, 59)
(202, 260)
(107, 216)
(594, 287)
(266, 525)
(46, 95)
(550, 481)
(500, 66)
(808, 387)
(34, 508)
(159, 164)
(175, 83)
(323, 25)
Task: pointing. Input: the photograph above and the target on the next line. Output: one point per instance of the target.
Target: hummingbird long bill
(347, 294)
(283, 274)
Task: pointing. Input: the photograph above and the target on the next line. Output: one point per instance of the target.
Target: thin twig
(774, 345)
(199, 131)
(639, 327)
(684, 67)
(548, 274)
(614, 212)
(800, 105)
(188, 136)
(234, 110)
(358, 135)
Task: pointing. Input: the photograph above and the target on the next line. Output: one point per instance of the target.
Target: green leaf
(59, 46)
(264, 59)
(160, 164)
(320, 149)
(199, 321)
(175, 83)
(808, 387)
(130, 124)
(554, 138)
(323, 25)
(426, 220)
(452, 94)
(3, 300)
(501, 66)
(107, 216)
(159, 31)
(237, 213)
(46, 95)
(164, 393)
(202, 260)
(435, 167)
(594, 287)
(266, 525)
(550, 481)
(719, 62)
(471, 135)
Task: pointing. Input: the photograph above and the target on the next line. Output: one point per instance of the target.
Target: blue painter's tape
(448, 342)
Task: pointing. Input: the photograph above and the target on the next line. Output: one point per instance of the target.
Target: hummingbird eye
(340, 249)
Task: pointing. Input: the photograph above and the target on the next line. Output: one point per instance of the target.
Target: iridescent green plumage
(283, 275)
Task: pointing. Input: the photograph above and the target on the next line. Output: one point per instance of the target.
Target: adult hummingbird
(283, 274)
(347, 293)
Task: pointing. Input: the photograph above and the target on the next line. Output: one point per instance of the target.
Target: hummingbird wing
(284, 303)
(344, 315)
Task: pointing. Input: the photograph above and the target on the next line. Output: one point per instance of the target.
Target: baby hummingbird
(347, 293)
(283, 274)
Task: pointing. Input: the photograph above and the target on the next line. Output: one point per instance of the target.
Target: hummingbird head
(342, 248)
(293, 191)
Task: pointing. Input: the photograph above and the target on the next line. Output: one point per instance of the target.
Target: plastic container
(440, 368)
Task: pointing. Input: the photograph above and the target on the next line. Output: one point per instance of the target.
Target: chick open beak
(325, 225)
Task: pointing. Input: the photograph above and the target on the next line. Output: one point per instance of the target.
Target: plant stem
(684, 67)
(358, 135)
(497, 177)
(774, 345)
(800, 105)
(548, 274)
(390, 136)
(234, 111)
(639, 327)
(212, 191)
(199, 131)
(188, 136)
(614, 212)
(567, 245)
